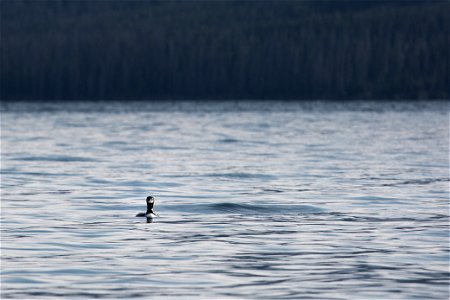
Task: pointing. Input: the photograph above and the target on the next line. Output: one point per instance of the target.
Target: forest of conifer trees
(52, 50)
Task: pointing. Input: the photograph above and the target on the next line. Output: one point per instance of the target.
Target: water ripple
(256, 200)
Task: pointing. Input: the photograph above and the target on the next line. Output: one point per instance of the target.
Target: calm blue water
(257, 200)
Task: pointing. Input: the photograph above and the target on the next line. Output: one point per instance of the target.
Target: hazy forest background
(64, 49)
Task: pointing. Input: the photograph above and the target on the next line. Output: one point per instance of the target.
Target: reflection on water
(261, 200)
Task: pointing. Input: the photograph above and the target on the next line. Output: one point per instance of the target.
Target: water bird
(149, 213)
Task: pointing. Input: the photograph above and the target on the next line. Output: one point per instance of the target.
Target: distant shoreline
(224, 50)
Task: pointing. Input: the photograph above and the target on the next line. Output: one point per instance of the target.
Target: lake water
(256, 200)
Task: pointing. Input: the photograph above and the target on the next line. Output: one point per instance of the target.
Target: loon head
(150, 202)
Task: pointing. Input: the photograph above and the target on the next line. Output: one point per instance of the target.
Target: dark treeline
(63, 49)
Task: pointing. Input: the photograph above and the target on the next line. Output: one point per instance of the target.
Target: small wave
(228, 140)
(241, 175)
(398, 181)
(238, 208)
(375, 198)
(56, 158)
(365, 219)
(418, 181)
(244, 209)
(273, 190)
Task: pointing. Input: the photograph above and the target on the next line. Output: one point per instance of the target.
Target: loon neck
(150, 206)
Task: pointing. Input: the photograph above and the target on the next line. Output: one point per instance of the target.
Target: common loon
(149, 213)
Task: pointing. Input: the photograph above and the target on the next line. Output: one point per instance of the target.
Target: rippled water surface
(256, 200)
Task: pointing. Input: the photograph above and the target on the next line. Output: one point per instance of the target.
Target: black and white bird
(149, 213)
